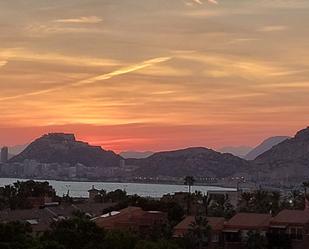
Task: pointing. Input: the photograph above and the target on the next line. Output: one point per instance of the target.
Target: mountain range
(196, 161)
(265, 146)
(285, 162)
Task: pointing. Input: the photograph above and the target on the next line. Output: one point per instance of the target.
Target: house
(41, 218)
(38, 219)
(236, 229)
(93, 193)
(294, 224)
(215, 237)
(131, 218)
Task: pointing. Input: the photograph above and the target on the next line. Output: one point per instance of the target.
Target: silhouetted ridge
(265, 146)
(303, 134)
(63, 148)
(192, 161)
(287, 162)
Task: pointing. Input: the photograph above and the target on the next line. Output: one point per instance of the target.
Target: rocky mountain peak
(60, 136)
(303, 134)
(64, 148)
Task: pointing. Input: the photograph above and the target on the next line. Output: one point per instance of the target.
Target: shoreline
(120, 182)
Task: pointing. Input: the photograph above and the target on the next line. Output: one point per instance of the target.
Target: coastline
(120, 182)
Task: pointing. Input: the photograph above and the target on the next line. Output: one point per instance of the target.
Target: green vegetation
(261, 201)
(77, 233)
(18, 195)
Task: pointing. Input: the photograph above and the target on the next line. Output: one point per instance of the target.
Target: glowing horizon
(154, 75)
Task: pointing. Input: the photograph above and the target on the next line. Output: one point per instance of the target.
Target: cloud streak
(200, 2)
(273, 28)
(92, 80)
(28, 55)
(81, 20)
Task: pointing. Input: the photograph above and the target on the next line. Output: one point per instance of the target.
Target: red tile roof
(249, 221)
(131, 217)
(296, 217)
(216, 224)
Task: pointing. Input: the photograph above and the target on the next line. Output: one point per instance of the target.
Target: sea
(80, 189)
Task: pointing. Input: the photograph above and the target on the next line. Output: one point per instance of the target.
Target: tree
(76, 233)
(206, 203)
(16, 235)
(221, 207)
(296, 200)
(261, 201)
(16, 196)
(197, 236)
(305, 186)
(120, 240)
(275, 201)
(189, 181)
(245, 202)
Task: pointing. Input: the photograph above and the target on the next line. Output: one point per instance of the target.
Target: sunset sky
(154, 74)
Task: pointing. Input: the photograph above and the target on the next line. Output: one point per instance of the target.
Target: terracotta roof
(216, 224)
(94, 209)
(38, 218)
(286, 217)
(130, 216)
(249, 221)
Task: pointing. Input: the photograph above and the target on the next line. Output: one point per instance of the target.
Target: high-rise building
(4, 154)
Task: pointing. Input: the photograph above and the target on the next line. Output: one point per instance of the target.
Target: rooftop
(216, 224)
(249, 221)
(291, 217)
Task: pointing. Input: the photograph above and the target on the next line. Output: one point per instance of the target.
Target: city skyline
(154, 75)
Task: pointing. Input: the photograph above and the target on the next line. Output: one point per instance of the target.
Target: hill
(192, 161)
(287, 162)
(64, 148)
(265, 146)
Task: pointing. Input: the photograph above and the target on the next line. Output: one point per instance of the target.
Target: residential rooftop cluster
(218, 220)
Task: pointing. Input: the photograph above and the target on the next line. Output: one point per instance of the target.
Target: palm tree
(245, 201)
(296, 199)
(206, 203)
(305, 186)
(261, 201)
(199, 231)
(189, 181)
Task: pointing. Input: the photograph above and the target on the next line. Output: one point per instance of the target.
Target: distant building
(93, 193)
(4, 154)
(122, 163)
(293, 223)
(236, 230)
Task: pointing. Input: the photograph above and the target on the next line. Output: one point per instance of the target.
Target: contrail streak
(92, 80)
